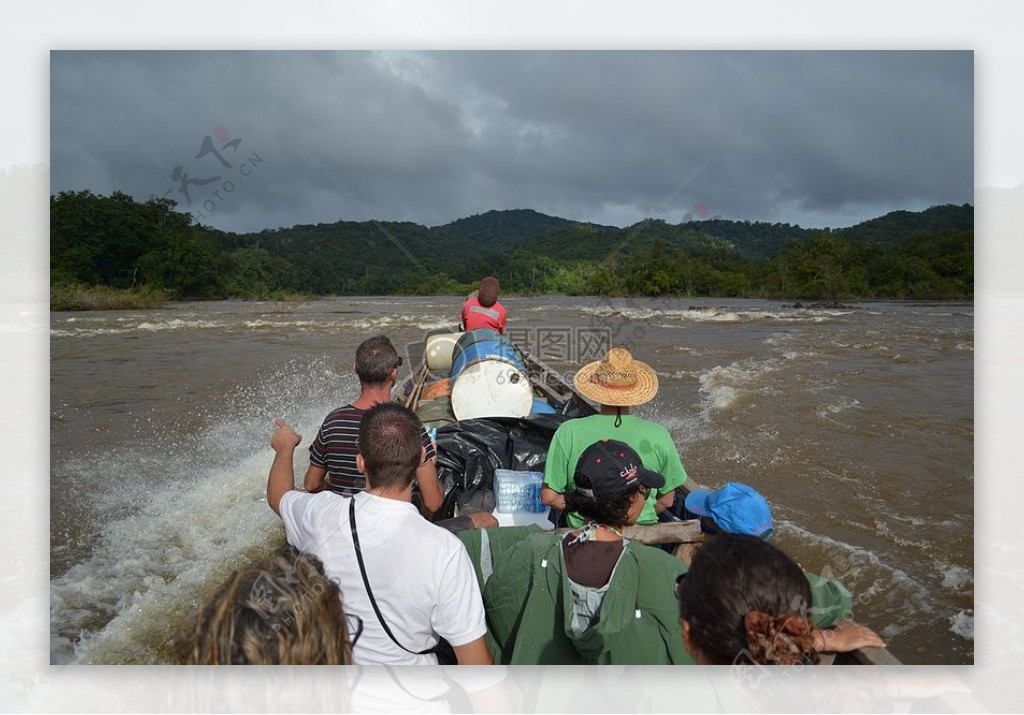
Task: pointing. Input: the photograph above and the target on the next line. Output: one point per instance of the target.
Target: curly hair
(747, 601)
(610, 511)
(280, 611)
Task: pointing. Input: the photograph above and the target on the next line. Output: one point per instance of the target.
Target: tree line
(115, 242)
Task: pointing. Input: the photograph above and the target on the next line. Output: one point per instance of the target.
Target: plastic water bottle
(518, 491)
(516, 495)
(538, 485)
(513, 497)
(504, 490)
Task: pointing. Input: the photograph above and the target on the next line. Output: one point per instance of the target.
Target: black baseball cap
(608, 468)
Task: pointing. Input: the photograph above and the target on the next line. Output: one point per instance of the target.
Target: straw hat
(617, 380)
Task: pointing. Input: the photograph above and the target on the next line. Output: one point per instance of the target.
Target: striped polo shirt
(336, 446)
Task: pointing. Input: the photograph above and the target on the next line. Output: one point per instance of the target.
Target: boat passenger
(332, 455)
(740, 509)
(281, 611)
(745, 601)
(411, 583)
(616, 382)
(482, 309)
(590, 596)
(732, 509)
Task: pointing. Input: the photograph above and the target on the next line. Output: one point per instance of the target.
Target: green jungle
(109, 252)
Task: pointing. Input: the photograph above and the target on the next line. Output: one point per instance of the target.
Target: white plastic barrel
(491, 388)
(440, 349)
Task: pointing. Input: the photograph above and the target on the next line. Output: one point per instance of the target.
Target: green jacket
(530, 605)
(830, 601)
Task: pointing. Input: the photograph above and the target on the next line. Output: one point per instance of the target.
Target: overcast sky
(813, 138)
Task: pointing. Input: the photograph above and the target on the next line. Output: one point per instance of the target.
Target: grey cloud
(806, 137)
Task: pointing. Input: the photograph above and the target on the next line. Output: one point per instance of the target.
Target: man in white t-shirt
(420, 575)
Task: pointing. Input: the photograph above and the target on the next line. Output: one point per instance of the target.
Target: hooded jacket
(532, 604)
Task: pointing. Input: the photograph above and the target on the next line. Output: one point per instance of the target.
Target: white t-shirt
(420, 574)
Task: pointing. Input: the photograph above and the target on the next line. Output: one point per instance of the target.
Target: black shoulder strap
(366, 582)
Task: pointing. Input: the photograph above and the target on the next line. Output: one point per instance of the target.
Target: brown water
(857, 424)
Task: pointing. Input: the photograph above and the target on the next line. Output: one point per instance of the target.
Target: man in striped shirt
(332, 455)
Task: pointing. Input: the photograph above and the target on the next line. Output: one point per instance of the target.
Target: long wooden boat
(549, 386)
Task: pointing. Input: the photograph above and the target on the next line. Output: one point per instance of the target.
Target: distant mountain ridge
(116, 242)
(568, 240)
(503, 229)
(897, 225)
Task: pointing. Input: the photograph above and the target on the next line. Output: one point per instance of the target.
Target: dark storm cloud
(824, 138)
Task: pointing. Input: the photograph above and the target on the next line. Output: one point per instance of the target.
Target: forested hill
(116, 242)
(895, 226)
(759, 239)
(501, 230)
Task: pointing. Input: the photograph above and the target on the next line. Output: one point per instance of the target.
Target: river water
(857, 424)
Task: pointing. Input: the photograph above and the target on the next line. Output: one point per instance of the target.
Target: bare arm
(315, 479)
(430, 488)
(549, 497)
(664, 502)
(282, 471)
(473, 653)
(846, 637)
(462, 522)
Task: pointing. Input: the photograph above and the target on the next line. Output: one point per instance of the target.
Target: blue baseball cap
(735, 509)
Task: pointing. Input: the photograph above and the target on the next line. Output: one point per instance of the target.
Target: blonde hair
(280, 611)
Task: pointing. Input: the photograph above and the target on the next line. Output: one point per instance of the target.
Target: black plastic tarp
(469, 451)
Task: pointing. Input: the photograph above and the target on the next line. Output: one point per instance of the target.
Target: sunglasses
(645, 490)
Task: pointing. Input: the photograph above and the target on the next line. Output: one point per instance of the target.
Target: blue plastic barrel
(541, 407)
(489, 377)
(483, 344)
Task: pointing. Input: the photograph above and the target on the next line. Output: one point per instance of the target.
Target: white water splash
(722, 388)
(955, 578)
(200, 514)
(963, 624)
(711, 315)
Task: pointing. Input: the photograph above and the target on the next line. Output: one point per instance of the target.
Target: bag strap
(366, 582)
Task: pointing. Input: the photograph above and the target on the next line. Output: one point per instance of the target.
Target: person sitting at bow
(482, 309)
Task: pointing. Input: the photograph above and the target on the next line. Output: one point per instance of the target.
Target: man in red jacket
(483, 309)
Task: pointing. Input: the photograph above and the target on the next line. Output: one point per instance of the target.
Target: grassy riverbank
(81, 297)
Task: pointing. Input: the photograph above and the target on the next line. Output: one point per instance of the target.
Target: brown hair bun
(784, 639)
